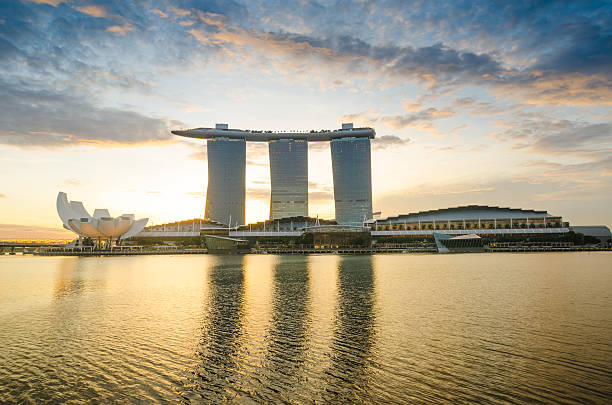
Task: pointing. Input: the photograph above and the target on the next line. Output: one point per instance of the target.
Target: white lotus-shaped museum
(99, 226)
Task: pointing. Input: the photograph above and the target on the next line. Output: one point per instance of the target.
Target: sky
(493, 103)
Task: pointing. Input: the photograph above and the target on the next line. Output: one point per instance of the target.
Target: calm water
(518, 328)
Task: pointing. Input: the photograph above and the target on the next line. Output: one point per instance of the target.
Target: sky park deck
(267, 136)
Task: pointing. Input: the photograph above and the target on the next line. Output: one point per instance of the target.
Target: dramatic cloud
(437, 64)
(36, 118)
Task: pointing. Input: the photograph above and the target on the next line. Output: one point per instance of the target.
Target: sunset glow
(512, 110)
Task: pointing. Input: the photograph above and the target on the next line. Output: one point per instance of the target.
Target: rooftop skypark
(222, 131)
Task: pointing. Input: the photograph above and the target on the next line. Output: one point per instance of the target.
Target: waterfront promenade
(308, 249)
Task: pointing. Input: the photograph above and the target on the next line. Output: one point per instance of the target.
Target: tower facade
(351, 164)
(352, 173)
(288, 178)
(225, 197)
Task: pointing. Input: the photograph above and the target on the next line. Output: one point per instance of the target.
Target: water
(518, 328)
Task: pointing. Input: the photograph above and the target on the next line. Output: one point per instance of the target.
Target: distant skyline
(506, 103)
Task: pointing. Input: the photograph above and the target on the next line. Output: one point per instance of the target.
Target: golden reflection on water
(288, 331)
(222, 332)
(344, 329)
(348, 378)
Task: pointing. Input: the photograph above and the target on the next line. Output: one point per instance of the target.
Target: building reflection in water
(216, 374)
(349, 374)
(287, 336)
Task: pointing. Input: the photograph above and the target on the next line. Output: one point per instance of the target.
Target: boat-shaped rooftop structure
(267, 136)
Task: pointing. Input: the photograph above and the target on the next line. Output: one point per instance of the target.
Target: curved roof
(266, 136)
(75, 217)
(468, 212)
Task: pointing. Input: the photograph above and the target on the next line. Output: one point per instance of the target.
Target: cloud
(159, 13)
(53, 3)
(389, 141)
(431, 63)
(258, 193)
(257, 149)
(93, 11)
(421, 120)
(318, 192)
(72, 182)
(437, 65)
(577, 136)
(120, 29)
(362, 119)
(33, 117)
(539, 133)
(201, 155)
(596, 170)
(555, 88)
(587, 49)
(416, 119)
(513, 49)
(523, 75)
(13, 231)
(320, 196)
(179, 11)
(482, 108)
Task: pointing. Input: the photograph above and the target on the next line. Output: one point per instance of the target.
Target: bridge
(26, 246)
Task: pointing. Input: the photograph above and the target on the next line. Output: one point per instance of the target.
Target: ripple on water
(299, 329)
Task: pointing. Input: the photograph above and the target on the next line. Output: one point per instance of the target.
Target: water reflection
(287, 337)
(348, 377)
(74, 277)
(216, 374)
(321, 329)
(69, 280)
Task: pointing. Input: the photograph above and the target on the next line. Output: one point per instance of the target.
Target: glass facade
(289, 178)
(225, 197)
(352, 171)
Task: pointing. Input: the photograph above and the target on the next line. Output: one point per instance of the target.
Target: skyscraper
(225, 197)
(288, 178)
(351, 167)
